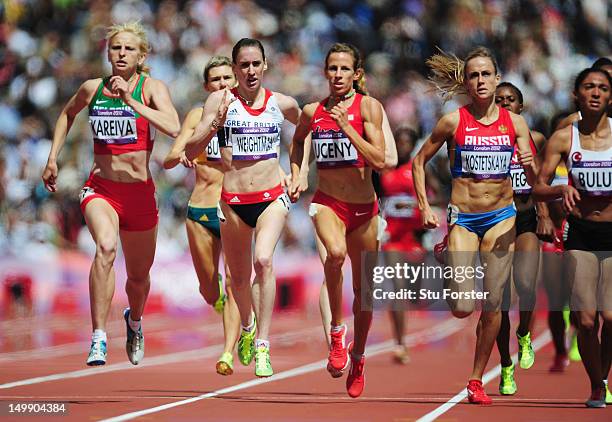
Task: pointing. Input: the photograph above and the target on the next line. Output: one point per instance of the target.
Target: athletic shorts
(409, 246)
(249, 206)
(352, 215)
(526, 221)
(586, 235)
(207, 217)
(479, 222)
(134, 203)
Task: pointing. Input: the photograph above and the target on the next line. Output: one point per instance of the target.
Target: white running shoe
(97, 353)
(134, 346)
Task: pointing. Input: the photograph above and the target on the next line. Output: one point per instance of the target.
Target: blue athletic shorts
(479, 222)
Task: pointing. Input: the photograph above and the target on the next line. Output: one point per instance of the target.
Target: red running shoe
(476, 394)
(560, 363)
(440, 250)
(338, 353)
(334, 373)
(355, 380)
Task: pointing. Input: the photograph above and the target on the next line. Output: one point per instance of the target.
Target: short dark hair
(601, 62)
(518, 92)
(586, 72)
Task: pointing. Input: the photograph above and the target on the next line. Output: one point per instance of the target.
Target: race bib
(284, 199)
(213, 153)
(254, 143)
(486, 161)
(332, 148)
(113, 126)
(593, 177)
(519, 180)
(85, 192)
(400, 206)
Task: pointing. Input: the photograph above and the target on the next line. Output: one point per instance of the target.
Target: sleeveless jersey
(483, 151)
(517, 172)
(116, 127)
(590, 172)
(400, 204)
(561, 177)
(254, 134)
(332, 148)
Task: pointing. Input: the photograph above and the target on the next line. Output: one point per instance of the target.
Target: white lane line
(427, 335)
(206, 352)
(537, 344)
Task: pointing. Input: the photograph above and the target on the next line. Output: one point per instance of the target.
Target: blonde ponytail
(447, 74)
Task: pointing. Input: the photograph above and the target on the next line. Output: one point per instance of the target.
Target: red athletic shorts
(134, 203)
(352, 215)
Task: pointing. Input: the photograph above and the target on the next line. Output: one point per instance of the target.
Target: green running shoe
(574, 353)
(246, 344)
(225, 364)
(220, 303)
(507, 386)
(526, 354)
(566, 318)
(263, 368)
(608, 394)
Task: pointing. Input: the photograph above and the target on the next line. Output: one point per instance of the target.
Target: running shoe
(476, 394)
(597, 399)
(220, 303)
(225, 364)
(134, 346)
(333, 372)
(608, 394)
(525, 353)
(246, 344)
(400, 355)
(338, 353)
(507, 385)
(566, 318)
(97, 353)
(574, 353)
(355, 380)
(559, 363)
(263, 368)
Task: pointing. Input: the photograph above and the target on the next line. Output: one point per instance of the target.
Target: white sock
(98, 335)
(250, 327)
(262, 343)
(134, 325)
(337, 328)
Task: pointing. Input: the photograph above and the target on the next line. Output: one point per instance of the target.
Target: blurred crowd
(48, 48)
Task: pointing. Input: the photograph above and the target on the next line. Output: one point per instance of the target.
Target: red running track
(177, 380)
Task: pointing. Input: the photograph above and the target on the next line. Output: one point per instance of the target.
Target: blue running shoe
(97, 353)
